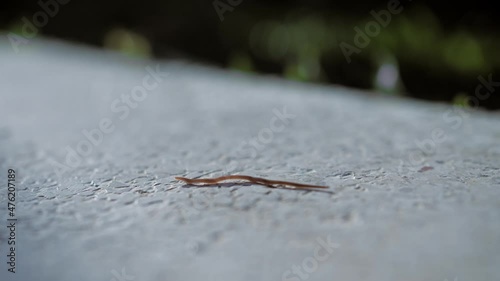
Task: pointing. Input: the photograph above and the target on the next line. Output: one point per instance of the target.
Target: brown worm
(255, 180)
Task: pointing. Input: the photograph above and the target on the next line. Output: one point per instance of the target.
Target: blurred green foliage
(418, 53)
(302, 42)
(306, 38)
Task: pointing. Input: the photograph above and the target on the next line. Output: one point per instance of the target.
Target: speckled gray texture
(400, 207)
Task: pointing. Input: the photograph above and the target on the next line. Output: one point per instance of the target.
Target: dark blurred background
(429, 50)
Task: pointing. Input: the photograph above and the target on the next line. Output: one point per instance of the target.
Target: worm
(261, 181)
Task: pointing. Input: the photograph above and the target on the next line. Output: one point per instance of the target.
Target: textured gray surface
(121, 212)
